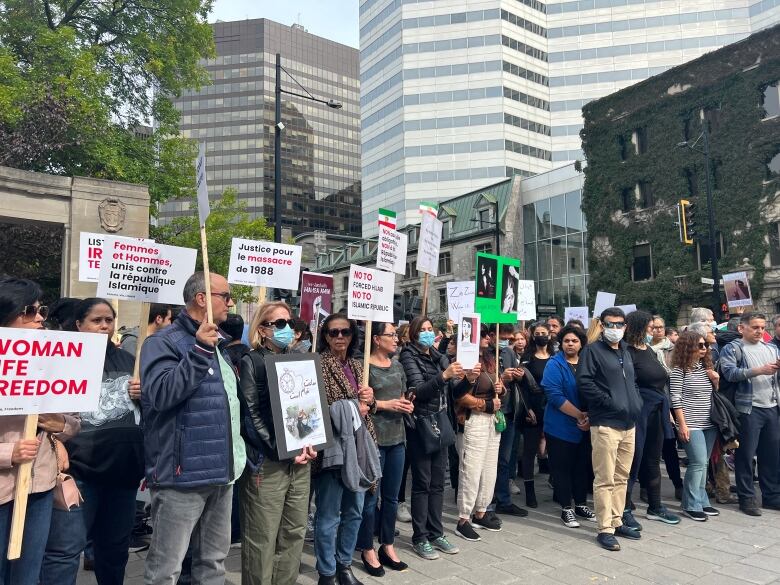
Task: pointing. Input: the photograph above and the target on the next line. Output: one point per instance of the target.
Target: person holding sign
(274, 494)
(20, 308)
(194, 448)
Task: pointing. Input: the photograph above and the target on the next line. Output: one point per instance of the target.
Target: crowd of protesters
(596, 410)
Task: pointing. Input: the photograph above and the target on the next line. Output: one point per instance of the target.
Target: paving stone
(748, 573)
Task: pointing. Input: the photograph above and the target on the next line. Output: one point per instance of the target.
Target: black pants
(672, 461)
(532, 434)
(404, 475)
(453, 462)
(647, 456)
(569, 467)
(427, 490)
(759, 436)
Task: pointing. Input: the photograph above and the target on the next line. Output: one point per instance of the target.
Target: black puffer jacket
(424, 375)
(257, 422)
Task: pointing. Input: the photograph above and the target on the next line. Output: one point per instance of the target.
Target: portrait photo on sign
(469, 331)
(509, 286)
(486, 277)
(298, 403)
(737, 287)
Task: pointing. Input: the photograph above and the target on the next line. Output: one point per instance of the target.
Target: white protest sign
(468, 340)
(627, 309)
(50, 371)
(134, 270)
(460, 299)
(90, 254)
(737, 287)
(526, 300)
(391, 250)
(579, 313)
(200, 181)
(370, 294)
(430, 242)
(604, 300)
(257, 263)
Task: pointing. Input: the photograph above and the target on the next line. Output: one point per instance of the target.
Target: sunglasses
(614, 324)
(30, 311)
(279, 323)
(704, 346)
(339, 332)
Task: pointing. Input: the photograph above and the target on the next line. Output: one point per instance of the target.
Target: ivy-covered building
(637, 172)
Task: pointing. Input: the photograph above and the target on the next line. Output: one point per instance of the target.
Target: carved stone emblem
(112, 215)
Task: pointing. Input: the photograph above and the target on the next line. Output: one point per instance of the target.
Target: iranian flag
(387, 218)
(428, 207)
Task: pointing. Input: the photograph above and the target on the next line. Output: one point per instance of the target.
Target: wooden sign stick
(425, 295)
(23, 481)
(206, 273)
(143, 325)
(366, 352)
(497, 354)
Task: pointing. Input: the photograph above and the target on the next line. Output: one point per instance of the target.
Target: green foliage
(741, 143)
(228, 219)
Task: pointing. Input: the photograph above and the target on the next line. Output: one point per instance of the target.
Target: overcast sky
(336, 20)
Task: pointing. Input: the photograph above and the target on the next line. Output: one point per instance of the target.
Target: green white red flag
(387, 218)
(428, 207)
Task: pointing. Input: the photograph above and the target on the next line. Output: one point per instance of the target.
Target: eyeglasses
(393, 335)
(339, 332)
(279, 323)
(704, 345)
(614, 324)
(226, 296)
(658, 327)
(30, 311)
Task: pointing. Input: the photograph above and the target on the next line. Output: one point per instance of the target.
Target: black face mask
(541, 340)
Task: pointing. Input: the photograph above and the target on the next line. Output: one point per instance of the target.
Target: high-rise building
(455, 95)
(234, 116)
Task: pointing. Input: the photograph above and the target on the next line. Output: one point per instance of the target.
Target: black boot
(323, 580)
(530, 494)
(345, 577)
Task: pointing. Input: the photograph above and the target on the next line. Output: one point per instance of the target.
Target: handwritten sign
(430, 244)
(391, 250)
(200, 180)
(370, 294)
(526, 300)
(460, 299)
(316, 296)
(579, 313)
(257, 263)
(627, 309)
(604, 300)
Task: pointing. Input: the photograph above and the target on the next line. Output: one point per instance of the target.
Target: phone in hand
(409, 395)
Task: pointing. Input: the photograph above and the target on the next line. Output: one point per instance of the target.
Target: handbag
(435, 430)
(66, 493)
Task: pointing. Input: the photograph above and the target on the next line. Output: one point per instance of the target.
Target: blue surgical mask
(305, 345)
(648, 338)
(283, 337)
(426, 338)
(503, 343)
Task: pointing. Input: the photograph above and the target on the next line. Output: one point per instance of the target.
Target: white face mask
(613, 335)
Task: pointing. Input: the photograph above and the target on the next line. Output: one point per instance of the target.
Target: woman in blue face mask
(272, 543)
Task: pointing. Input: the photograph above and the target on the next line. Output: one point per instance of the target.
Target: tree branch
(49, 17)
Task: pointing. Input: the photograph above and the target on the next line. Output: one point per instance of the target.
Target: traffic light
(687, 221)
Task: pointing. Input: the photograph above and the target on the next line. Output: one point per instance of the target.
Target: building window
(639, 139)
(645, 193)
(771, 101)
(345, 283)
(413, 235)
(774, 243)
(445, 263)
(442, 300)
(628, 200)
(411, 270)
(642, 267)
(623, 147)
(485, 218)
(773, 166)
(486, 248)
(446, 228)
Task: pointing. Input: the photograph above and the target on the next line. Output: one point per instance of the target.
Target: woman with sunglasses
(388, 380)
(274, 494)
(20, 308)
(691, 385)
(339, 510)
(107, 462)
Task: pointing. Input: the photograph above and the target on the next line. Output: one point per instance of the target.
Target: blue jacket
(187, 435)
(559, 386)
(734, 367)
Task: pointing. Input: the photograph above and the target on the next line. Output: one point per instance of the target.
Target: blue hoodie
(559, 386)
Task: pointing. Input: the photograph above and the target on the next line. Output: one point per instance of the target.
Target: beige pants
(613, 452)
(478, 451)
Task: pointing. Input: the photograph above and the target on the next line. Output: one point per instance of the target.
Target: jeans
(106, 517)
(569, 469)
(195, 518)
(646, 466)
(336, 524)
(25, 569)
(427, 490)
(698, 449)
(759, 436)
(613, 451)
(507, 462)
(381, 520)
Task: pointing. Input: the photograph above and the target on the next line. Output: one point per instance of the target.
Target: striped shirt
(692, 391)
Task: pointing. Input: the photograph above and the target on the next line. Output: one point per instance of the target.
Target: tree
(228, 219)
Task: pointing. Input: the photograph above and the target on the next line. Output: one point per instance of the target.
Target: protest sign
(144, 271)
(460, 299)
(737, 286)
(468, 340)
(44, 371)
(200, 181)
(391, 250)
(316, 296)
(627, 309)
(429, 245)
(579, 313)
(370, 294)
(91, 252)
(497, 284)
(604, 300)
(526, 300)
(257, 263)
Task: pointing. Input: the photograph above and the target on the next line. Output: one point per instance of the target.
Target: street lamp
(705, 138)
(278, 127)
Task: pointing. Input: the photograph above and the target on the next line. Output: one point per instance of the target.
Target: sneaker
(662, 515)
(138, 543)
(607, 541)
(513, 489)
(630, 521)
(696, 515)
(710, 511)
(488, 522)
(235, 544)
(626, 532)
(569, 519)
(425, 550)
(512, 510)
(403, 515)
(445, 546)
(466, 532)
(585, 513)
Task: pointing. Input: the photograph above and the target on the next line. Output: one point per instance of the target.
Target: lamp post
(278, 127)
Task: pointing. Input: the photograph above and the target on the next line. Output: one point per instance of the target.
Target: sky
(336, 20)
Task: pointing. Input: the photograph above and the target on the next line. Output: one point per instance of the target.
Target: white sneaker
(403, 515)
(513, 489)
(569, 519)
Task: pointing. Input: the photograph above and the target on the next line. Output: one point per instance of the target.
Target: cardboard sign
(627, 309)
(468, 340)
(200, 181)
(91, 252)
(604, 300)
(526, 300)
(460, 299)
(50, 371)
(134, 270)
(370, 294)
(429, 246)
(316, 296)
(737, 286)
(497, 285)
(579, 313)
(391, 250)
(270, 264)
